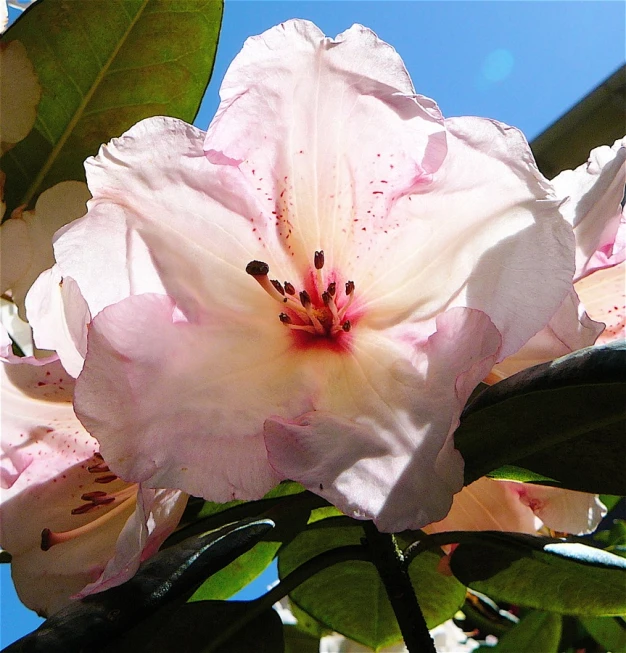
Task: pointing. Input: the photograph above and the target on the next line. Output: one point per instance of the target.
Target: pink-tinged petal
(301, 118)
(604, 295)
(20, 92)
(569, 329)
(58, 491)
(595, 191)
(561, 510)
(193, 396)
(155, 185)
(101, 246)
(7, 355)
(156, 515)
(59, 317)
(487, 505)
(485, 234)
(390, 456)
(55, 207)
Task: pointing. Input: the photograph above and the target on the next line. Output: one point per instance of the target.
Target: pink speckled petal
(156, 515)
(485, 234)
(45, 475)
(301, 118)
(604, 295)
(390, 457)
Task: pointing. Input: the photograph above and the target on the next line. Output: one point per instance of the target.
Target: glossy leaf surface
(563, 420)
(542, 573)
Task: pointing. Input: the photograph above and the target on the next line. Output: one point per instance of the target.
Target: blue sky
(524, 63)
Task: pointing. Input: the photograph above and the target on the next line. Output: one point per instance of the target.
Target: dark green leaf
(170, 575)
(608, 631)
(563, 420)
(537, 631)
(228, 581)
(335, 596)
(192, 627)
(297, 641)
(542, 573)
(103, 65)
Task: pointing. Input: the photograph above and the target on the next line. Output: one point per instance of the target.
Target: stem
(390, 564)
(289, 583)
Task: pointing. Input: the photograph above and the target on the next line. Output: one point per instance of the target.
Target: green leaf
(228, 581)
(563, 420)
(543, 573)
(193, 626)
(103, 65)
(519, 474)
(537, 631)
(609, 632)
(335, 596)
(169, 576)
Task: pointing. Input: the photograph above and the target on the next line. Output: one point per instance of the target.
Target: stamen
(98, 469)
(86, 507)
(332, 289)
(50, 538)
(318, 260)
(90, 496)
(332, 307)
(277, 285)
(289, 289)
(350, 294)
(305, 299)
(346, 326)
(284, 318)
(304, 327)
(105, 479)
(257, 269)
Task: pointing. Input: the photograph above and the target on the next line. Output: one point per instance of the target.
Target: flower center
(322, 313)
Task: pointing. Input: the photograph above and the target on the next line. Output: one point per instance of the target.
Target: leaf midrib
(78, 114)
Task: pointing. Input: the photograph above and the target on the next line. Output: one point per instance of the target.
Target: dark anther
(346, 326)
(45, 539)
(289, 289)
(326, 298)
(277, 285)
(284, 318)
(305, 299)
(319, 260)
(86, 507)
(332, 289)
(105, 479)
(349, 287)
(90, 496)
(98, 469)
(257, 268)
